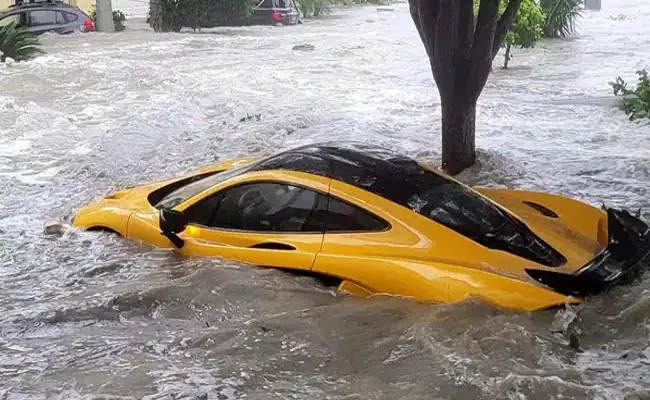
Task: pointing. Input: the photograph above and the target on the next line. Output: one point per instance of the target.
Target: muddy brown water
(91, 316)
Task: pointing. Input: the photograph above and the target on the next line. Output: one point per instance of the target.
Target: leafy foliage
(17, 43)
(172, 15)
(636, 102)
(316, 8)
(527, 28)
(561, 16)
(118, 19)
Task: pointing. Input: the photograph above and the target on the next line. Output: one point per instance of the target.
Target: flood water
(92, 316)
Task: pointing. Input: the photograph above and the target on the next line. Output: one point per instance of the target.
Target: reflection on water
(90, 316)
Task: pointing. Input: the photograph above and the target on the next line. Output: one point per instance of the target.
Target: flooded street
(92, 316)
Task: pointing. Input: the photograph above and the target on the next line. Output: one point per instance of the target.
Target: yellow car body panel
(577, 220)
(112, 212)
(413, 257)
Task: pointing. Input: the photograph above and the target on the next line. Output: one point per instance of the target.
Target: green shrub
(17, 43)
(636, 102)
(561, 16)
(118, 19)
(172, 15)
(525, 31)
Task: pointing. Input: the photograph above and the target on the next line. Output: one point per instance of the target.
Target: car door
(260, 222)
(370, 245)
(66, 22)
(41, 21)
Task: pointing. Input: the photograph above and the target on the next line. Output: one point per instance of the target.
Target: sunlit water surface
(92, 316)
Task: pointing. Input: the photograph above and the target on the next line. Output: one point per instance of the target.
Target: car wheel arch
(102, 228)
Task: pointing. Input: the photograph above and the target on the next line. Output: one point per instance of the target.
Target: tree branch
(505, 22)
(486, 24)
(446, 41)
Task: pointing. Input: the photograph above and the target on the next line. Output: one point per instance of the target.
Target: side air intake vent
(544, 210)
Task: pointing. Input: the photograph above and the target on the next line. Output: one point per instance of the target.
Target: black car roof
(373, 168)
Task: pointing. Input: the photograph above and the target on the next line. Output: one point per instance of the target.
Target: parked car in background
(273, 12)
(47, 16)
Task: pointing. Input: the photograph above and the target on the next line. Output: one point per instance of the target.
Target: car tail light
(89, 24)
(276, 16)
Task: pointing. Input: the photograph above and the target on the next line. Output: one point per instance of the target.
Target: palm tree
(17, 43)
(561, 16)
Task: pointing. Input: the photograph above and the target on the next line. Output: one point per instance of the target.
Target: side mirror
(172, 222)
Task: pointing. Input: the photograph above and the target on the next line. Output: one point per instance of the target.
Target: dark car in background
(47, 16)
(273, 12)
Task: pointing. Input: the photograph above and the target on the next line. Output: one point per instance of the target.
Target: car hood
(137, 198)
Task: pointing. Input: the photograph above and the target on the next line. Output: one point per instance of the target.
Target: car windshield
(445, 201)
(190, 190)
(457, 207)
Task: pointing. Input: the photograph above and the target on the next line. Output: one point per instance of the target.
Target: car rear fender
(579, 216)
(435, 282)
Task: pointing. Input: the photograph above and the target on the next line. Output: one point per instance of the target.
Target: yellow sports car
(376, 222)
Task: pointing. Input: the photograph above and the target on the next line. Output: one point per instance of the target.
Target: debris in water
(304, 47)
(574, 338)
(102, 269)
(249, 117)
(53, 228)
(563, 320)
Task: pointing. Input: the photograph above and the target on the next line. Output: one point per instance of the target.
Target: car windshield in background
(190, 190)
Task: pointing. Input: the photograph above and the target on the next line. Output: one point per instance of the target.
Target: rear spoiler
(623, 260)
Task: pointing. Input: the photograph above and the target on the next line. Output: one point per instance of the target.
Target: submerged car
(47, 16)
(376, 222)
(274, 12)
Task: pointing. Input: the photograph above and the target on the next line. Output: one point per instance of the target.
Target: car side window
(63, 17)
(42, 17)
(345, 217)
(261, 207)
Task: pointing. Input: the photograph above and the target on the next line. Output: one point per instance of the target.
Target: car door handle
(272, 246)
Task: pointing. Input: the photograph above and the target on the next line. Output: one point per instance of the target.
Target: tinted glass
(346, 217)
(63, 17)
(260, 207)
(409, 184)
(266, 4)
(203, 212)
(42, 17)
(294, 161)
(192, 189)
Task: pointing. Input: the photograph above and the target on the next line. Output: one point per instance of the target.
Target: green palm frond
(561, 16)
(17, 43)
